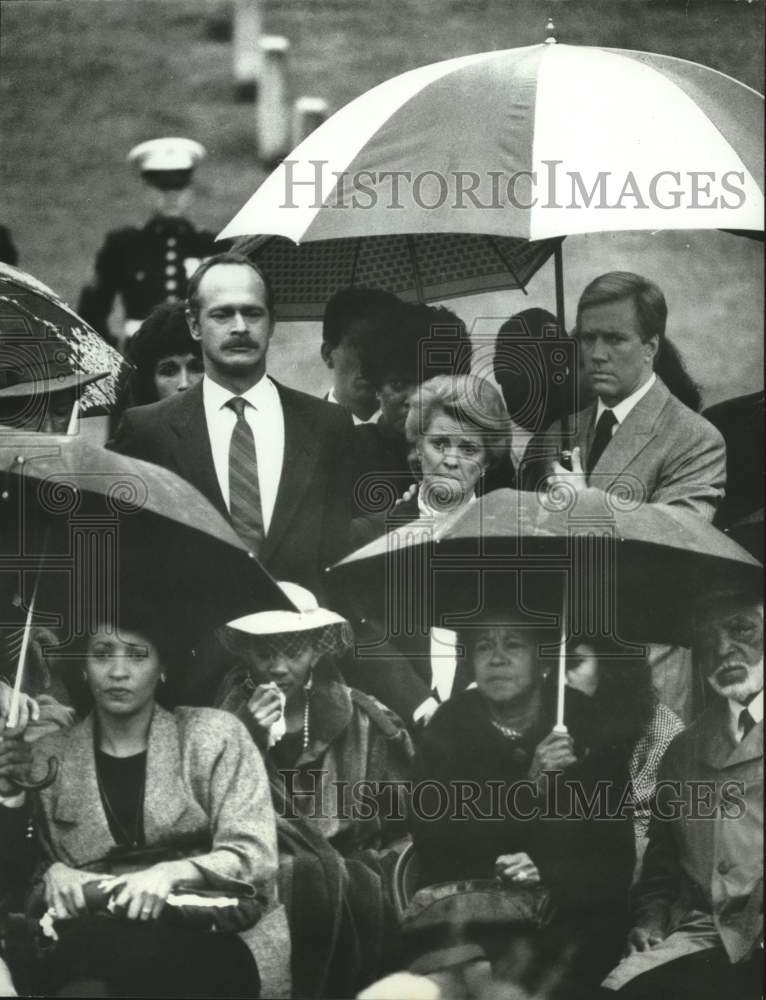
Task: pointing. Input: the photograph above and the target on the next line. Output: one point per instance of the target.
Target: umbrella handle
(560, 728)
(36, 786)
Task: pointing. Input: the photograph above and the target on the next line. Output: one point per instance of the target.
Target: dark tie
(601, 438)
(746, 722)
(244, 488)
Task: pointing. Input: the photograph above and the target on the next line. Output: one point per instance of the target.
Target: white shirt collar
(215, 396)
(623, 408)
(754, 708)
(332, 398)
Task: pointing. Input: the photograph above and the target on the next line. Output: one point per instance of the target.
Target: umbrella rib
(410, 244)
(506, 262)
(355, 262)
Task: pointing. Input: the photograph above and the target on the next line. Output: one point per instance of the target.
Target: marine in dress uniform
(150, 264)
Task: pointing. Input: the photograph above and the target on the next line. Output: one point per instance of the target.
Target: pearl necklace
(508, 731)
(306, 719)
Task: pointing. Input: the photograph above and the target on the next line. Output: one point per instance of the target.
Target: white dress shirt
(267, 421)
(623, 408)
(755, 708)
(331, 398)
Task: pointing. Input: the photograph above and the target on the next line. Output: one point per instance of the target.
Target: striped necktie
(244, 488)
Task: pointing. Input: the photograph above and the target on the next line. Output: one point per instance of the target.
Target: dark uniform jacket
(144, 266)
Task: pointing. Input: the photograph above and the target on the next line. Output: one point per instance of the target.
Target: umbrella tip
(550, 32)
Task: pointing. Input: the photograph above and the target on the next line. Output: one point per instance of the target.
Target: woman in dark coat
(503, 795)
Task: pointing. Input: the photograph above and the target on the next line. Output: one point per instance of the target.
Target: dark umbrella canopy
(100, 528)
(634, 573)
(32, 316)
(422, 267)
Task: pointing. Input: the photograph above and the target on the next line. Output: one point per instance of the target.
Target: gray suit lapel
(632, 436)
(164, 799)
(78, 806)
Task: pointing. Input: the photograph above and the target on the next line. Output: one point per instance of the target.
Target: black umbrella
(630, 572)
(83, 529)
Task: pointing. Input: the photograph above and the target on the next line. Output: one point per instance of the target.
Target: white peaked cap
(277, 622)
(170, 153)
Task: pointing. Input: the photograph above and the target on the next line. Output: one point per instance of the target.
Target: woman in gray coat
(147, 806)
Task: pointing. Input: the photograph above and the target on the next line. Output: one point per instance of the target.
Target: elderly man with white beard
(698, 918)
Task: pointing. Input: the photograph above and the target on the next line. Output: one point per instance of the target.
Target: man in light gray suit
(637, 441)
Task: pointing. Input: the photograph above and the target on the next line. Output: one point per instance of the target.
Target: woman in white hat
(287, 690)
(328, 749)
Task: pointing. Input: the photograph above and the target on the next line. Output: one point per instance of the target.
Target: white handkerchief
(279, 728)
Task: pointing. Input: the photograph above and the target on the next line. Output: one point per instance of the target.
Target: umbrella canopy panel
(551, 140)
(30, 311)
(94, 526)
(424, 268)
(633, 574)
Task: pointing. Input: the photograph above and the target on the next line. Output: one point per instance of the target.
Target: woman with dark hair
(505, 796)
(166, 357)
(625, 700)
(149, 807)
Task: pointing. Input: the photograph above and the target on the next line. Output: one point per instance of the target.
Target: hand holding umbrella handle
(560, 728)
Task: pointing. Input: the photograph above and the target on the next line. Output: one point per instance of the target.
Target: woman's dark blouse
(121, 783)
(581, 860)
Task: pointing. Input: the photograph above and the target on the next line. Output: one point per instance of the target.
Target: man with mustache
(275, 461)
(698, 921)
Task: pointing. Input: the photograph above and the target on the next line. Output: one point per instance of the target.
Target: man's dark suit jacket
(309, 528)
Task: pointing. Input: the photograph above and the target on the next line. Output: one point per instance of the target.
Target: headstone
(246, 48)
(308, 114)
(273, 110)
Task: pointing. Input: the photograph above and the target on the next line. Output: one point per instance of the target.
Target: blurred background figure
(8, 251)
(150, 264)
(39, 385)
(353, 318)
(535, 365)
(166, 357)
(740, 421)
(424, 341)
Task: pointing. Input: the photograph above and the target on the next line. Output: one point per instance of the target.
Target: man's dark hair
(422, 342)
(536, 368)
(368, 311)
(651, 307)
(236, 259)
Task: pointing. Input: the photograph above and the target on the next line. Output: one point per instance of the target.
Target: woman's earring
(162, 678)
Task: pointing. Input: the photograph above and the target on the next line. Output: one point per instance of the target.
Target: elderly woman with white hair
(459, 432)
(336, 759)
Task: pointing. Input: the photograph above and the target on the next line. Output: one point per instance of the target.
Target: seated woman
(336, 759)
(458, 429)
(495, 743)
(151, 804)
(624, 699)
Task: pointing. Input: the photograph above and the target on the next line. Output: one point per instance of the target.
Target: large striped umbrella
(532, 142)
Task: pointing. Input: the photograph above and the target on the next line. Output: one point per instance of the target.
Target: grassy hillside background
(83, 80)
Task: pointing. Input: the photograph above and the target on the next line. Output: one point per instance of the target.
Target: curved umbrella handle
(36, 786)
